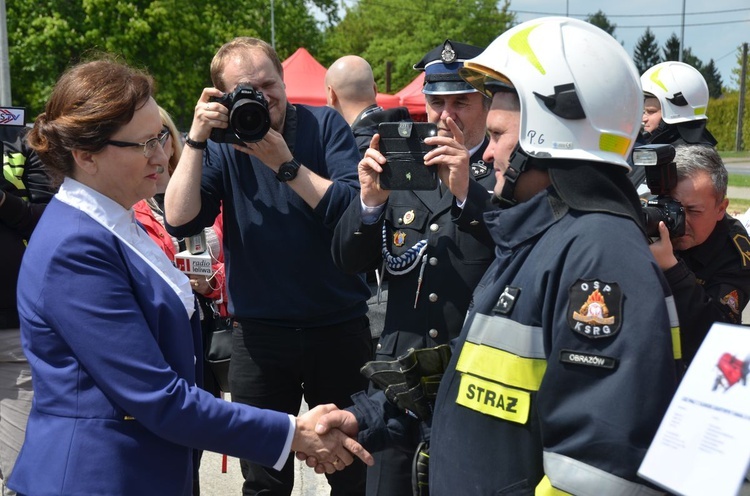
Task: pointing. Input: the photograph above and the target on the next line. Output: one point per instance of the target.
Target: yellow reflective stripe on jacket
(501, 366)
(494, 399)
(674, 326)
(502, 350)
(13, 169)
(544, 488)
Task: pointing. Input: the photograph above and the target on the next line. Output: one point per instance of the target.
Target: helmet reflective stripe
(519, 42)
(681, 90)
(579, 90)
(655, 79)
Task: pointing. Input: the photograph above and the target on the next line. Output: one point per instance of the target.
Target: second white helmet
(681, 90)
(579, 90)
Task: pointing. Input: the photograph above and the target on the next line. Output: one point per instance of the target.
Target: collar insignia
(479, 169)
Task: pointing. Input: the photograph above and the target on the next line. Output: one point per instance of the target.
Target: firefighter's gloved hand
(411, 381)
(420, 473)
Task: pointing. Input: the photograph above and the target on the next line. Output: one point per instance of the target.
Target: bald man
(351, 90)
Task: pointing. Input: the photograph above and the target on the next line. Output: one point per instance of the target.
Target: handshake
(325, 438)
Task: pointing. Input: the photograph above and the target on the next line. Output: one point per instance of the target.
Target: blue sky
(713, 30)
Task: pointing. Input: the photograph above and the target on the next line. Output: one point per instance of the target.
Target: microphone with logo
(195, 259)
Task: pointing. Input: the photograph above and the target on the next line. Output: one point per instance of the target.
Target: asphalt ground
(215, 482)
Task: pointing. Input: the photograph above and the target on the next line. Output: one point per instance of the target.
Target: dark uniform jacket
(711, 283)
(565, 364)
(365, 125)
(458, 251)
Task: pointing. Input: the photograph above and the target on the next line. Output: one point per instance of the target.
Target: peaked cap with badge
(441, 65)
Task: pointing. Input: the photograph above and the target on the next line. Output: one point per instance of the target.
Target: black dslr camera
(249, 119)
(661, 178)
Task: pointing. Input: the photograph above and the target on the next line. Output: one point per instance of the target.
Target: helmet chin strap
(518, 163)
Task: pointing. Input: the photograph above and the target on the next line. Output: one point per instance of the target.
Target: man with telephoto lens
(302, 324)
(708, 268)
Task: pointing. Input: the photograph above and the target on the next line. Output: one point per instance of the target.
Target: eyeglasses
(149, 147)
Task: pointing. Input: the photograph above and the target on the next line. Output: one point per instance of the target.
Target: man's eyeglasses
(149, 147)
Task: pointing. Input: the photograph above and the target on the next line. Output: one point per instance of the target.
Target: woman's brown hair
(89, 103)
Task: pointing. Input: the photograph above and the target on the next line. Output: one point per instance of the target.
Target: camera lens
(249, 119)
(651, 218)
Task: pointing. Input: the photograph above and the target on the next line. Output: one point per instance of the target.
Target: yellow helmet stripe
(655, 79)
(613, 143)
(519, 43)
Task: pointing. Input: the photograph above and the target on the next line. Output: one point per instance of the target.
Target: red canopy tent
(304, 78)
(305, 81)
(411, 97)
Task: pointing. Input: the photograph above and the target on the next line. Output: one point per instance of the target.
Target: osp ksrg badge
(595, 308)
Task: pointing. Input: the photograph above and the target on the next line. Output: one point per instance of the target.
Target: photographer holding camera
(285, 175)
(708, 268)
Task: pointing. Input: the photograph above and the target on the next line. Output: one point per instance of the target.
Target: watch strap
(288, 170)
(198, 145)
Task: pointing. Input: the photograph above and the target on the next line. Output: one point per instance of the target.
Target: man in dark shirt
(302, 324)
(708, 268)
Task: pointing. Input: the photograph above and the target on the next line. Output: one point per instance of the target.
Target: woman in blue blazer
(109, 325)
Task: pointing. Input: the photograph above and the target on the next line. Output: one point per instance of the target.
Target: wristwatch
(288, 170)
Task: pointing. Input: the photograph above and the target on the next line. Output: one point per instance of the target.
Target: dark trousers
(274, 367)
(391, 474)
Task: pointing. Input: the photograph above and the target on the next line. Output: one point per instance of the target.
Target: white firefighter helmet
(579, 90)
(681, 90)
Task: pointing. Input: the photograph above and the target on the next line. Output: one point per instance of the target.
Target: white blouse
(121, 223)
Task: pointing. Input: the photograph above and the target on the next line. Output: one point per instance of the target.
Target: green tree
(672, 48)
(646, 52)
(401, 33)
(174, 40)
(713, 79)
(599, 19)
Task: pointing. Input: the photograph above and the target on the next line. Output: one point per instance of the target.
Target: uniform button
(433, 333)
(434, 227)
(400, 220)
(433, 297)
(379, 346)
(433, 261)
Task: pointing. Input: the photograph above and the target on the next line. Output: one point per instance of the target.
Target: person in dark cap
(432, 245)
(447, 95)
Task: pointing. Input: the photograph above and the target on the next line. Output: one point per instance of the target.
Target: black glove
(411, 381)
